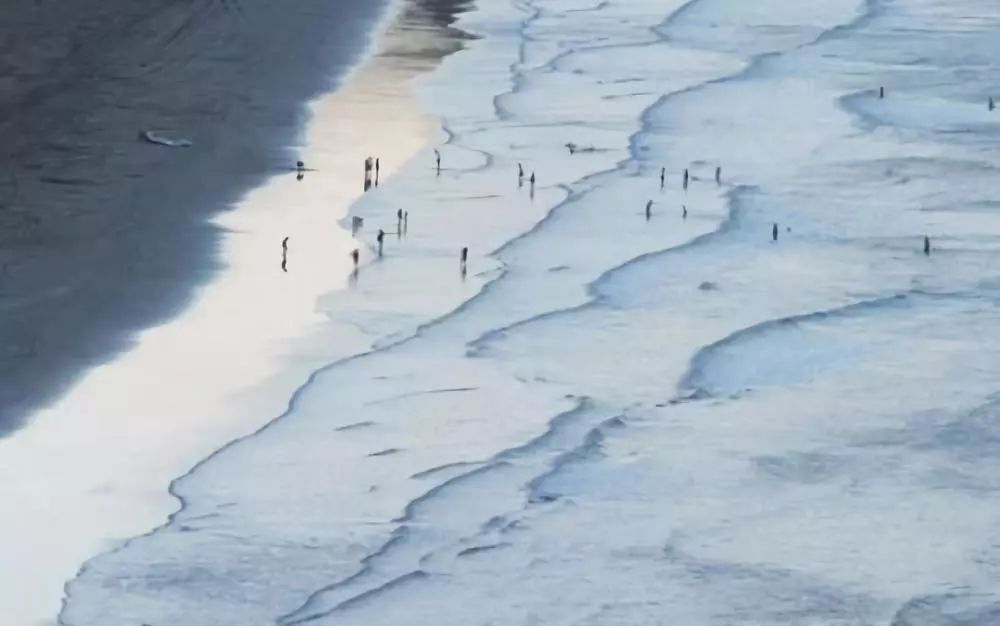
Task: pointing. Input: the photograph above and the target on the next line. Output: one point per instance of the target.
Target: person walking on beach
(399, 223)
(284, 254)
(376, 171)
(520, 175)
(684, 212)
(927, 245)
(437, 160)
(718, 174)
(406, 221)
(649, 210)
(663, 176)
(992, 105)
(380, 238)
(300, 169)
(687, 176)
(881, 93)
(368, 173)
(774, 232)
(532, 181)
(355, 256)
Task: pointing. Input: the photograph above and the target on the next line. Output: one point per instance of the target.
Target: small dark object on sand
(355, 256)
(718, 175)
(881, 93)
(992, 104)
(774, 232)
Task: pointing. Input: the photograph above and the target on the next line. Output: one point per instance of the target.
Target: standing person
(663, 176)
(687, 176)
(532, 181)
(520, 175)
(684, 213)
(774, 232)
(355, 256)
(927, 245)
(649, 210)
(718, 174)
(465, 258)
(284, 254)
(881, 93)
(406, 221)
(437, 159)
(380, 238)
(992, 105)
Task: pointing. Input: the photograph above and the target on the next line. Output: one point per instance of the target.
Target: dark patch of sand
(103, 234)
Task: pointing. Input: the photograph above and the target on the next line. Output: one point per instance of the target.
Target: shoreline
(102, 234)
(245, 339)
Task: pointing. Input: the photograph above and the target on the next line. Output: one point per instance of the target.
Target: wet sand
(104, 453)
(102, 234)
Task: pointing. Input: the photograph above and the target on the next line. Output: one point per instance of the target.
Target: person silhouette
(686, 177)
(927, 245)
(380, 238)
(663, 176)
(718, 174)
(649, 210)
(774, 232)
(437, 160)
(684, 211)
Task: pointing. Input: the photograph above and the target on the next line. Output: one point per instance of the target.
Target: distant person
(399, 216)
(380, 238)
(927, 245)
(465, 255)
(687, 177)
(532, 181)
(299, 165)
(649, 210)
(663, 176)
(774, 232)
(406, 221)
(437, 160)
(881, 93)
(718, 175)
(284, 254)
(992, 105)
(284, 244)
(684, 211)
(355, 256)
(520, 176)
(356, 224)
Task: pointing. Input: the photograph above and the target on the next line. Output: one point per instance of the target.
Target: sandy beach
(236, 339)
(721, 352)
(101, 234)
